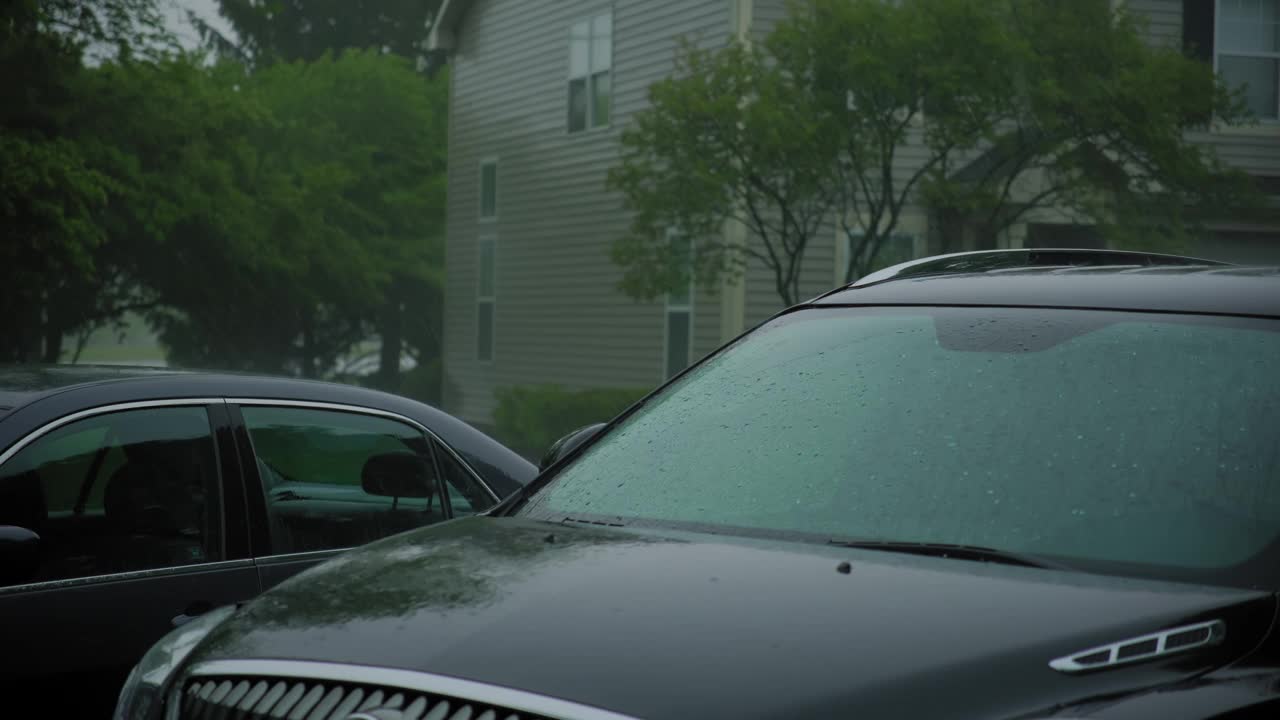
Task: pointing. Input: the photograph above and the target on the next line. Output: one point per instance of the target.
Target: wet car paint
(657, 625)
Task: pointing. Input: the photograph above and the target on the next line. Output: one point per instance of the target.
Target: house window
(590, 72)
(679, 341)
(486, 299)
(489, 190)
(1242, 37)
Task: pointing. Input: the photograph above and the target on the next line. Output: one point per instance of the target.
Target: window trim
(1259, 122)
(101, 410)
(246, 562)
(668, 309)
(480, 216)
(589, 77)
(491, 299)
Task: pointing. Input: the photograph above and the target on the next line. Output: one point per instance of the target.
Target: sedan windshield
(1122, 440)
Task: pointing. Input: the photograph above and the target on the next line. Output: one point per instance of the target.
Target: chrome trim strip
(1070, 664)
(282, 558)
(456, 688)
(316, 405)
(103, 410)
(130, 575)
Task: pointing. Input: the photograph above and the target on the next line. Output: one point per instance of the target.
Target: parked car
(1000, 485)
(133, 500)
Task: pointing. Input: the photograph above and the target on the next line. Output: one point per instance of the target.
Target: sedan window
(335, 479)
(124, 491)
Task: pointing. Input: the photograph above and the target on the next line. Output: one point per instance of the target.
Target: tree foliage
(980, 111)
(265, 220)
(52, 248)
(269, 31)
(347, 182)
(721, 141)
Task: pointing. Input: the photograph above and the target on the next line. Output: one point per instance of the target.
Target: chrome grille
(260, 698)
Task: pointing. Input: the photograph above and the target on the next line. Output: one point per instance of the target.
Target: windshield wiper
(944, 550)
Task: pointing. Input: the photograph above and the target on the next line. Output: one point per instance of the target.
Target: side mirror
(397, 475)
(19, 554)
(568, 444)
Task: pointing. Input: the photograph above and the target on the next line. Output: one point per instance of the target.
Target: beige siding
(559, 317)
(706, 323)
(1163, 19)
(766, 14)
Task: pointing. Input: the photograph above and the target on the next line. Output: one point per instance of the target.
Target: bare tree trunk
(52, 342)
(391, 332)
(309, 369)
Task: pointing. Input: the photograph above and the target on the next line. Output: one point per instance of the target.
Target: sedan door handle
(192, 611)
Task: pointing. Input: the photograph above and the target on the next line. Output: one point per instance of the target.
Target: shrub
(528, 419)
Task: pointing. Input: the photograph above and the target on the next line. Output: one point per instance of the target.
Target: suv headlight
(146, 681)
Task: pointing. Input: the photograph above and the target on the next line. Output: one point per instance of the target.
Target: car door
(323, 479)
(137, 514)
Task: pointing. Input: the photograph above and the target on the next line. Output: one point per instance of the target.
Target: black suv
(1025, 484)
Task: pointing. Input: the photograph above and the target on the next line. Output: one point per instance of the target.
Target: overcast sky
(176, 13)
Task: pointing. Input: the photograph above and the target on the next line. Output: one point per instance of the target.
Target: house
(539, 93)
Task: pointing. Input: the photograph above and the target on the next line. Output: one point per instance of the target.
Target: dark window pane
(484, 332)
(489, 190)
(488, 251)
(1260, 78)
(677, 341)
(602, 98)
(577, 104)
(119, 492)
(337, 480)
(1197, 29)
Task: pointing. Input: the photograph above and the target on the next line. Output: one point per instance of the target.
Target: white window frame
(671, 308)
(485, 163)
(1218, 52)
(589, 77)
(489, 299)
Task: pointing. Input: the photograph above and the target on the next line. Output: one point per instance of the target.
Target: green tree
(722, 141)
(311, 30)
(272, 31)
(57, 262)
(342, 183)
(981, 110)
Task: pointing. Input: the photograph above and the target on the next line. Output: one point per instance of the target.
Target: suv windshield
(1140, 442)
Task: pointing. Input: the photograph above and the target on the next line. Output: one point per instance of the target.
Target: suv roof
(1086, 279)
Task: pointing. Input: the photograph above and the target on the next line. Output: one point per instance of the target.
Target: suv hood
(653, 626)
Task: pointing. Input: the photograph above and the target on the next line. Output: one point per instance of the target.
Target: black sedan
(1012, 485)
(132, 501)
